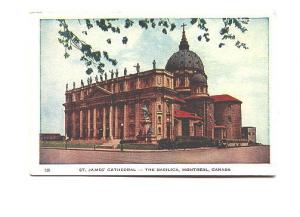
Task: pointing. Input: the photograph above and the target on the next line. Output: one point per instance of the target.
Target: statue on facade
(91, 80)
(66, 86)
(125, 71)
(96, 78)
(111, 74)
(82, 84)
(73, 84)
(101, 78)
(137, 68)
(154, 64)
(105, 76)
(149, 132)
(117, 73)
(146, 112)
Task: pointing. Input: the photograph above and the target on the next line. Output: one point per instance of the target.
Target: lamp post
(122, 137)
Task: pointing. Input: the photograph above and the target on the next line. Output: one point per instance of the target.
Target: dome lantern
(184, 45)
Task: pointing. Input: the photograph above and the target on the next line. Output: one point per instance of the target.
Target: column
(191, 126)
(89, 123)
(110, 122)
(95, 123)
(137, 117)
(73, 124)
(179, 128)
(125, 120)
(164, 116)
(116, 122)
(80, 124)
(67, 123)
(172, 121)
(154, 117)
(104, 122)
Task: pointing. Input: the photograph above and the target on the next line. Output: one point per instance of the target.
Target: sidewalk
(132, 150)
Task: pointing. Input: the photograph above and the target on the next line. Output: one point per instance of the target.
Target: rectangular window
(132, 85)
(121, 86)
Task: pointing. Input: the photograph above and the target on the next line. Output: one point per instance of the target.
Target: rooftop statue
(111, 74)
(137, 68)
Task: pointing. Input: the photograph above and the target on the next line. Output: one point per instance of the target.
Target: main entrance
(185, 127)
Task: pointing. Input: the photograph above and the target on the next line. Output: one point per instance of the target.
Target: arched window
(159, 107)
(181, 81)
(159, 131)
(159, 120)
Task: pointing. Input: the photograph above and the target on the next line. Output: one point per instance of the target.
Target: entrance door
(185, 127)
(168, 130)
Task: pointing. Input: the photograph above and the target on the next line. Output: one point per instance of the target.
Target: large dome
(184, 58)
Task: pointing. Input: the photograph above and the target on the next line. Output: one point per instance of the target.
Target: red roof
(185, 114)
(178, 99)
(224, 98)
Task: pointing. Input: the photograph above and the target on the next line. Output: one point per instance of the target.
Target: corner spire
(184, 45)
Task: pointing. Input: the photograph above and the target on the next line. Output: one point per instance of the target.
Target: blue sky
(238, 72)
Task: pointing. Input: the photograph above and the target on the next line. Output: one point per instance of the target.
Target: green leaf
(194, 20)
(202, 21)
(173, 26)
(164, 31)
(124, 40)
(89, 71)
(128, 23)
(96, 55)
(88, 24)
(66, 55)
(108, 41)
(143, 23)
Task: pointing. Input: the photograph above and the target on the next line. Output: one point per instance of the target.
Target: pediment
(98, 92)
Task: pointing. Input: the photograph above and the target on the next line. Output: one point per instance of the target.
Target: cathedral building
(151, 105)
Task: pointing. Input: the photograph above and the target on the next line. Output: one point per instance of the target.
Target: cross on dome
(184, 45)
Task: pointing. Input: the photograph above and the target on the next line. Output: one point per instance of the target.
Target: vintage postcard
(154, 97)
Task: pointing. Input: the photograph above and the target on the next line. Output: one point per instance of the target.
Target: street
(254, 154)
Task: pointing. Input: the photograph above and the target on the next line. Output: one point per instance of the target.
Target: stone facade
(152, 105)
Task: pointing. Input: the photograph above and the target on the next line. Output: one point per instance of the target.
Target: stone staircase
(111, 143)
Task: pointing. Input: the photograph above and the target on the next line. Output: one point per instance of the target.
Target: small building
(249, 133)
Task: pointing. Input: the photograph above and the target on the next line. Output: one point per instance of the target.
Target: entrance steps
(104, 143)
(111, 143)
